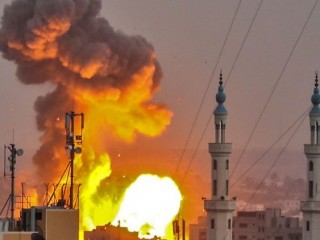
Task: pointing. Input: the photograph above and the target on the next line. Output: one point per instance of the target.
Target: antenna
(72, 139)
(12, 159)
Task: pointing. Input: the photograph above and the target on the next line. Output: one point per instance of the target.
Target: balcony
(311, 149)
(220, 205)
(220, 148)
(310, 206)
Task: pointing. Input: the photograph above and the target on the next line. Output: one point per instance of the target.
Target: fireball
(149, 205)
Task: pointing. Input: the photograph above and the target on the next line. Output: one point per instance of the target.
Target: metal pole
(72, 140)
(72, 160)
(12, 167)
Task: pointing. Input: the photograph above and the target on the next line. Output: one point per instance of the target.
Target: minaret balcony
(220, 148)
(312, 149)
(220, 205)
(310, 206)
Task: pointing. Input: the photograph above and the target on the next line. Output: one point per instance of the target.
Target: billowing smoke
(109, 76)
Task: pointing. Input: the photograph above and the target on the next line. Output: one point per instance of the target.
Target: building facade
(198, 231)
(269, 224)
(266, 225)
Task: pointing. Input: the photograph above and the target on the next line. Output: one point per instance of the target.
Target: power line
(274, 88)
(243, 42)
(303, 115)
(207, 89)
(274, 162)
(238, 54)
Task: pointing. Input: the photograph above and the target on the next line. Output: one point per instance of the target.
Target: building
(269, 224)
(220, 208)
(198, 231)
(49, 223)
(109, 232)
(311, 207)
(266, 225)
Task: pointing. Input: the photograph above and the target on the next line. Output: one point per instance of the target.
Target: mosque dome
(315, 99)
(220, 98)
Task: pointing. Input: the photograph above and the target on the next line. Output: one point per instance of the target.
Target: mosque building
(220, 208)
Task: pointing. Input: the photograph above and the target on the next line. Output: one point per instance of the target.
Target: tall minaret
(219, 208)
(311, 207)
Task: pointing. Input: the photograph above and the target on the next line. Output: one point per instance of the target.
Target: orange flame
(131, 114)
(108, 76)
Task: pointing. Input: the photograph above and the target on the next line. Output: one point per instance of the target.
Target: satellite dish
(19, 152)
(78, 150)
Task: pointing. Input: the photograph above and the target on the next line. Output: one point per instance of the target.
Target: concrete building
(311, 207)
(219, 208)
(269, 224)
(50, 223)
(198, 231)
(109, 232)
(266, 225)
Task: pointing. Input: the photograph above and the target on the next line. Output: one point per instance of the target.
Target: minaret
(311, 207)
(220, 208)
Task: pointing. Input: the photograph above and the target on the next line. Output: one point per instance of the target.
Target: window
(311, 166)
(288, 223)
(212, 223)
(310, 189)
(243, 237)
(214, 164)
(229, 223)
(278, 238)
(308, 226)
(227, 164)
(243, 225)
(215, 187)
(202, 234)
(227, 187)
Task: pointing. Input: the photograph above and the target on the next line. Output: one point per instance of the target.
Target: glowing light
(108, 76)
(149, 205)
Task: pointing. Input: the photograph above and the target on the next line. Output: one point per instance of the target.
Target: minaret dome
(315, 99)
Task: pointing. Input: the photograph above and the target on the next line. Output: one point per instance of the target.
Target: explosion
(107, 75)
(148, 205)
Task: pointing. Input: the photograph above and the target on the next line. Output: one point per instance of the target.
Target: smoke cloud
(109, 76)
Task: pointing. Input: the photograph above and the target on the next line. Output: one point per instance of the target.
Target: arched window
(311, 166)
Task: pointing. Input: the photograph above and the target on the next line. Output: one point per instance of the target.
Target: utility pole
(73, 139)
(12, 158)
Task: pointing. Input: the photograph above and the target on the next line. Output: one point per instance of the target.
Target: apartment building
(269, 224)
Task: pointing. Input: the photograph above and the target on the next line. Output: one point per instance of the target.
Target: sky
(188, 37)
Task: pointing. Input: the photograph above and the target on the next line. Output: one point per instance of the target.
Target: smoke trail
(109, 76)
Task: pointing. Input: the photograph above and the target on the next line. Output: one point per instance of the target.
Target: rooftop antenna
(14, 152)
(73, 139)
